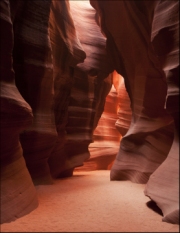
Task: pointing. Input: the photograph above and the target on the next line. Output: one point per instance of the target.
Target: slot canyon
(89, 87)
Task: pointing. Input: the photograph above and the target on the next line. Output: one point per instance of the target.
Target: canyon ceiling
(93, 83)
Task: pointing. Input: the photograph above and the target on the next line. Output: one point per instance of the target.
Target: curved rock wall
(80, 95)
(149, 139)
(18, 194)
(32, 62)
(165, 38)
(140, 81)
(112, 125)
(106, 138)
(56, 73)
(67, 52)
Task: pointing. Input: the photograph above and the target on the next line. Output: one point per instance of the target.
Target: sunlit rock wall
(124, 112)
(149, 139)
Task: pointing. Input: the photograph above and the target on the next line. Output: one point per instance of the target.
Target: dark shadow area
(152, 205)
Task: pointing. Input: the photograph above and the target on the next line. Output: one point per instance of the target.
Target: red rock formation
(67, 52)
(18, 195)
(34, 79)
(146, 144)
(116, 117)
(163, 185)
(55, 66)
(140, 81)
(106, 138)
(81, 103)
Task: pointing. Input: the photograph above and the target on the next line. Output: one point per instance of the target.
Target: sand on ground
(90, 202)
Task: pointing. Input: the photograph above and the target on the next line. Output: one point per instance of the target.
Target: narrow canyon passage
(89, 103)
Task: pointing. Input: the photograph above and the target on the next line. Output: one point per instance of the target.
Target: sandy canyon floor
(90, 202)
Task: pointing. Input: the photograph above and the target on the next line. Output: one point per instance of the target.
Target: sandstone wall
(18, 194)
(143, 47)
(89, 84)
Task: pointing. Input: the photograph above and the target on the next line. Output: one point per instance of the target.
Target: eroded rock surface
(32, 62)
(114, 123)
(67, 53)
(106, 138)
(80, 96)
(149, 139)
(163, 185)
(18, 194)
(57, 84)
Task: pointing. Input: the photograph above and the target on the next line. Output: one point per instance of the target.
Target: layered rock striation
(80, 86)
(163, 185)
(32, 62)
(105, 144)
(18, 194)
(67, 52)
(138, 56)
(114, 122)
(74, 82)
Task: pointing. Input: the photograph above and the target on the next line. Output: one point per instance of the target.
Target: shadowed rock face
(163, 185)
(18, 194)
(149, 64)
(32, 62)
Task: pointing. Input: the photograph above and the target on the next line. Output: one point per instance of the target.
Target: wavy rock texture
(113, 124)
(149, 139)
(57, 66)
(165, 38)
(32, 58)
(18, 195)
(105, 137)
(149, 120)
(82, 88)
(67, 52)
